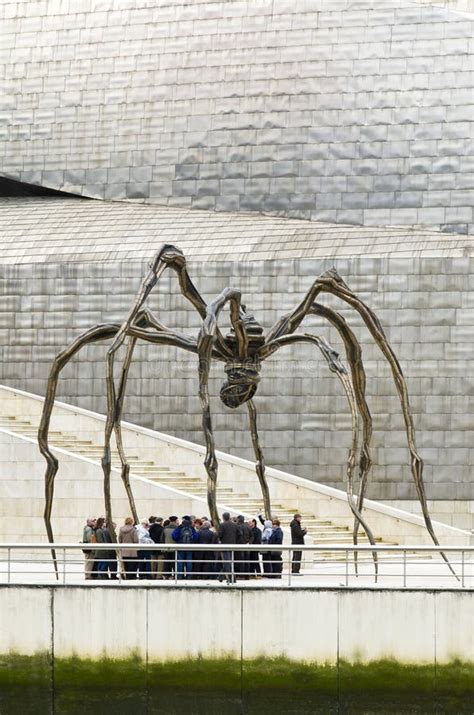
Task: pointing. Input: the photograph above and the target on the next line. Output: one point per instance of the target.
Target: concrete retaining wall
(312, 626)
(162, 636)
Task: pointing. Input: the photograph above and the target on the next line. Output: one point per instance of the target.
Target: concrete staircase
(320, 531)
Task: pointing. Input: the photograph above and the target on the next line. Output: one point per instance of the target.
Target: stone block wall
(350, 112)
(425, 305)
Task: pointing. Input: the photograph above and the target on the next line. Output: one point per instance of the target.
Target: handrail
(329, 565)
(242, 547)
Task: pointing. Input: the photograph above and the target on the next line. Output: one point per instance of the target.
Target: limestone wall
(79, 484)
(335, 111)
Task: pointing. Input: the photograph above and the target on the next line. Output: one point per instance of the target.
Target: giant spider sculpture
(242, 352)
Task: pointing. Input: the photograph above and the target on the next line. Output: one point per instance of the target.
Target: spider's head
(241, 383)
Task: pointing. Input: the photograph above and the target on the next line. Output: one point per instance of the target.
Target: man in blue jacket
(184, 534)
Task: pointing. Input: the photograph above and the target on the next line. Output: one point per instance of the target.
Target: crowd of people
(220, 563)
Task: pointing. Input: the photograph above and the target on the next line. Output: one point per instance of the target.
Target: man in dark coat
(255, 539)
(297, 538)
(207, 558)
(242, 557)
(185, 534)
(228, 534)
(157, 534)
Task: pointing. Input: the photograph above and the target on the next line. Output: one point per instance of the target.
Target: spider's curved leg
(260, 464)
(97, 333)
(205, 344)
(168, 256)
(331, 282)
(145, 319)
(354, 358)
(92, 335)
(156, 269)
(335, 365)
(125, 466)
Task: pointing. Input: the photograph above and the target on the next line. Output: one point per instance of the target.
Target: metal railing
(334, 565)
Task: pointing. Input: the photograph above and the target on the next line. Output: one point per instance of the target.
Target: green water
(72, 687)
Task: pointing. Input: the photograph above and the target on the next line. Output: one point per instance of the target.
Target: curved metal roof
(47, 229)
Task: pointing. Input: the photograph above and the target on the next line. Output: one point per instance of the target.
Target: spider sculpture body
(242, 352)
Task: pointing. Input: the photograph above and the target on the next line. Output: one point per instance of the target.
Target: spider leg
(335, 365)
(144, 319)
(95, 334)
(205, 344)
(354, 358)
(125, 466)
(260, 464)
(331, 282)
(167, 257)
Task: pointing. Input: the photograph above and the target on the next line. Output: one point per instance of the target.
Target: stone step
(319, 531)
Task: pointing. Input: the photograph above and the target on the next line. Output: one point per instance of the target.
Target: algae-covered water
(36, 685)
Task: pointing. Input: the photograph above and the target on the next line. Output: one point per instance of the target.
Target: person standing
(87, 534)
(157, 535)
(100, 555)
(170, 556)
(144, 554)
(228, 534)
(196, 555)
(206, 536)
(129, 535)
(275, 556)
(266, 555)
(255, 540)
(110, 556)
(186, 535)
(297, 538)
(242, 557)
